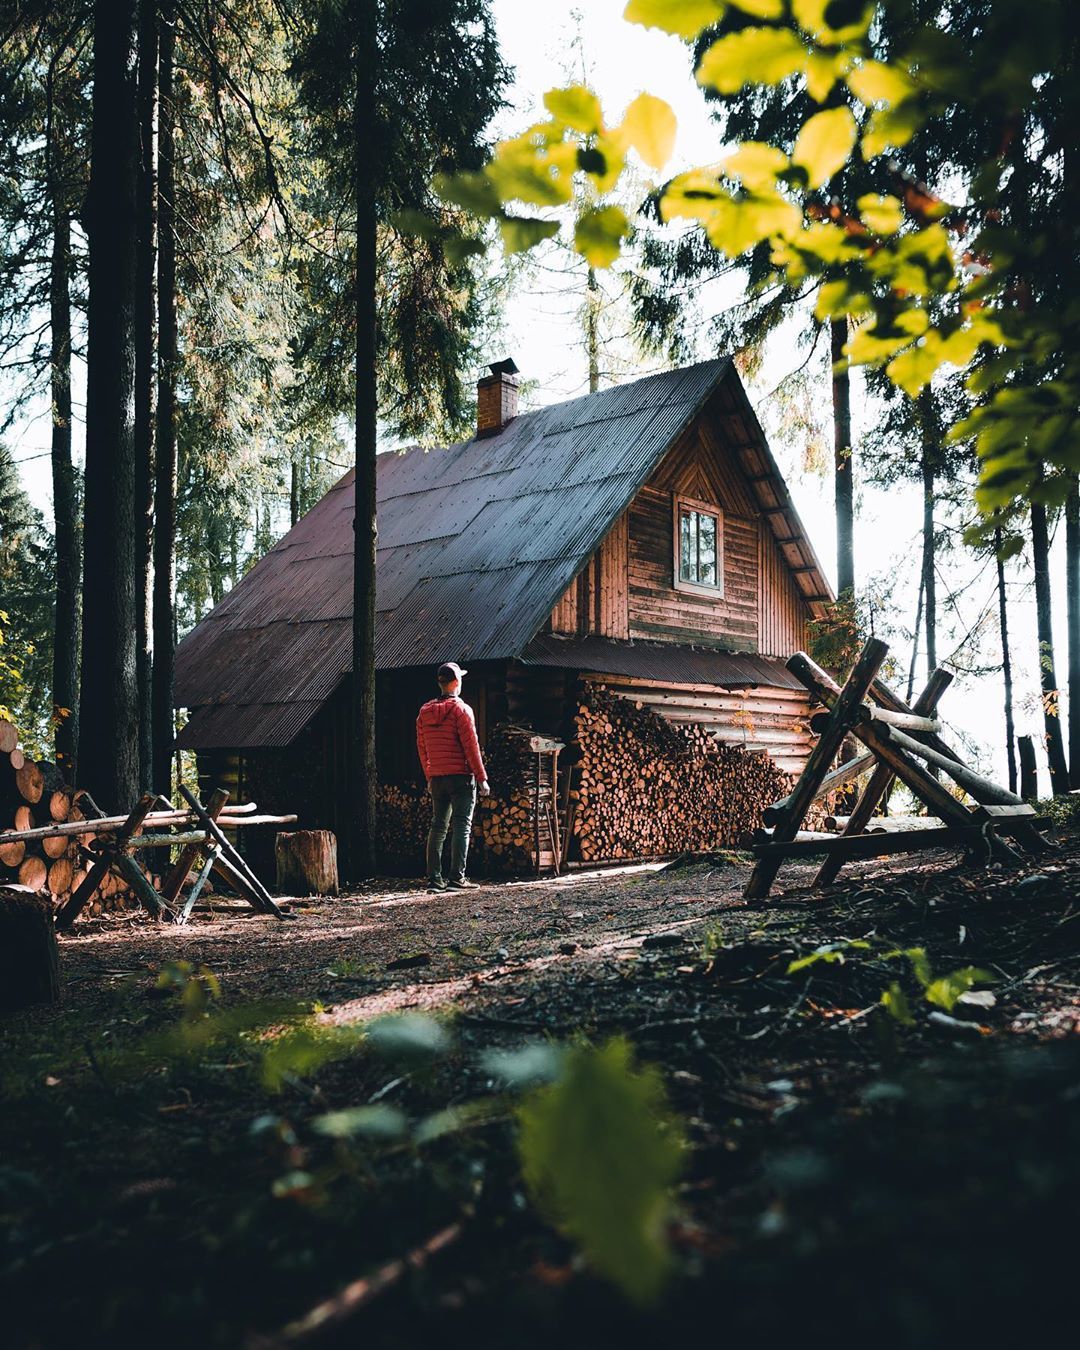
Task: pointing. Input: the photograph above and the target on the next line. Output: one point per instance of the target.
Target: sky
(542, 335)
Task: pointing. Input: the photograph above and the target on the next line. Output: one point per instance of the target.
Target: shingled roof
(476, 544)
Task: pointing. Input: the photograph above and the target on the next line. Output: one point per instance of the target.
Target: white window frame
(679, 505)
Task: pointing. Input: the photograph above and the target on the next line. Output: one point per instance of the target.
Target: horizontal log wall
(776, 721)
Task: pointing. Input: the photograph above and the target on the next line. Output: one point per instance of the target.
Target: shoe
(437, 884)
(463, 885)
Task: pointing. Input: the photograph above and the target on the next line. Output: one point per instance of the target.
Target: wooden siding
(657, 609)
(773, 721)
(627, 588)
(598, 600)
(783, 614)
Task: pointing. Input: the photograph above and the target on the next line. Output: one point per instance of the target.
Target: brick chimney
(496, 398)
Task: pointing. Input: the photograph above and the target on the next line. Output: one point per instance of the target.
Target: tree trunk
(144, 377)
(163, 717)
(1055, 746)
(65, 665)
(294, 488)
(306, 863)
(108, 728)
(1029, 773)
(1072, 605)
(592, 329)
(915, 644)
(844, 483)
(928, 558)
(1006, 663)
(365, 182)
(29, 957)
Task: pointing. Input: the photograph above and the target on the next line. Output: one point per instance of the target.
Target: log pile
(648, 788)
(32, 794)
(504, 826)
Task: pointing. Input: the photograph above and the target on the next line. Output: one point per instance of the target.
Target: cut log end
(307, 863)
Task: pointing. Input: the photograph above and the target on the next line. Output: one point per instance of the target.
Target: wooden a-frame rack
(895, 738)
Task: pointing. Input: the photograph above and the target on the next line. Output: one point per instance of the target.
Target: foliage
(930, 284)
(598, 1153)
(26, 611)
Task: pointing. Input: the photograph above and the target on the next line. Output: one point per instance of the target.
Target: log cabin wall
(627, 588)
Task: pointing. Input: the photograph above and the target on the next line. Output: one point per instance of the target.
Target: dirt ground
(849, 1177)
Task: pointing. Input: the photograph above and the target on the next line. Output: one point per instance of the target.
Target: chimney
(496, 398)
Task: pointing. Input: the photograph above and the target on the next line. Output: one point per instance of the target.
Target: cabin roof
(477, 542)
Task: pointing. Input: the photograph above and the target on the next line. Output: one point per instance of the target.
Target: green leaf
(378, 1121)
(756, 165)
(824, 143)
(408, 1036)
(891, 128)
(303, 1049)
(418, 223)
(818, 17)
(649, 126)
(945, 990)
(822, 72)
(684, 18)
(913, 370)
(875, 82)
(523, 170)
(882, 214)
(577, 107)
(896, 1005)
(531, 1064)
(459, 247)
(473, 192)
(751, 56)
(760, 9)
(598, 235)
(520, 233)
(832, 953)
(836, 298)
(598, 1152)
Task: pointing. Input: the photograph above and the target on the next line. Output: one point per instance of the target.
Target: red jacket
(446, 739)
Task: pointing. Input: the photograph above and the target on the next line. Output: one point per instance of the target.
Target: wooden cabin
(639, 542)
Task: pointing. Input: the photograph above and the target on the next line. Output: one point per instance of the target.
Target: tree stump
(307, 863)
(29, 959)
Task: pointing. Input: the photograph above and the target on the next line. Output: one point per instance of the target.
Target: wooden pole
(881, 778)
(817, 766)
(1029, 773)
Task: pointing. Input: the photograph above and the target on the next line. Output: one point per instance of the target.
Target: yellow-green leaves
(525, 169)
(875, 82)
(913, 369)
(732, 225)
(576, 107)
(876, 342)
(751, 56)
(683, 18)
(891, 128)
(599, 233)
(883, 215)
(649, 126)
(810, 15)
(598, 1152)
(520, 233)
(824, 143)
(756, 165)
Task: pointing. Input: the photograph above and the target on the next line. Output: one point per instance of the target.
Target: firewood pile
(33, 794)
(504, 826)
(646, 787)
(507, 818)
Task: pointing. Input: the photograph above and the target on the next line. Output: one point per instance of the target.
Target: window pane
(687, 546)
(707, 550)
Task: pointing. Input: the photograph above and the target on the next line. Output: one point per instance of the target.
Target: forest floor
(848, 1177)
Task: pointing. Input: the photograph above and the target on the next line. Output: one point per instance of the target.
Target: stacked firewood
(403, 817)
(646, 787)
(504, 826)
(507, 826)
(33, 794)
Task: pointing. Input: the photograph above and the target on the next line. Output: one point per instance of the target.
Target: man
(453, 766)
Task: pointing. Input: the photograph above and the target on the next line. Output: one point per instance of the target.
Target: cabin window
(699, 546)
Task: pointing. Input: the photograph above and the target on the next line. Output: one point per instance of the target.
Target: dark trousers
(453, 800)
